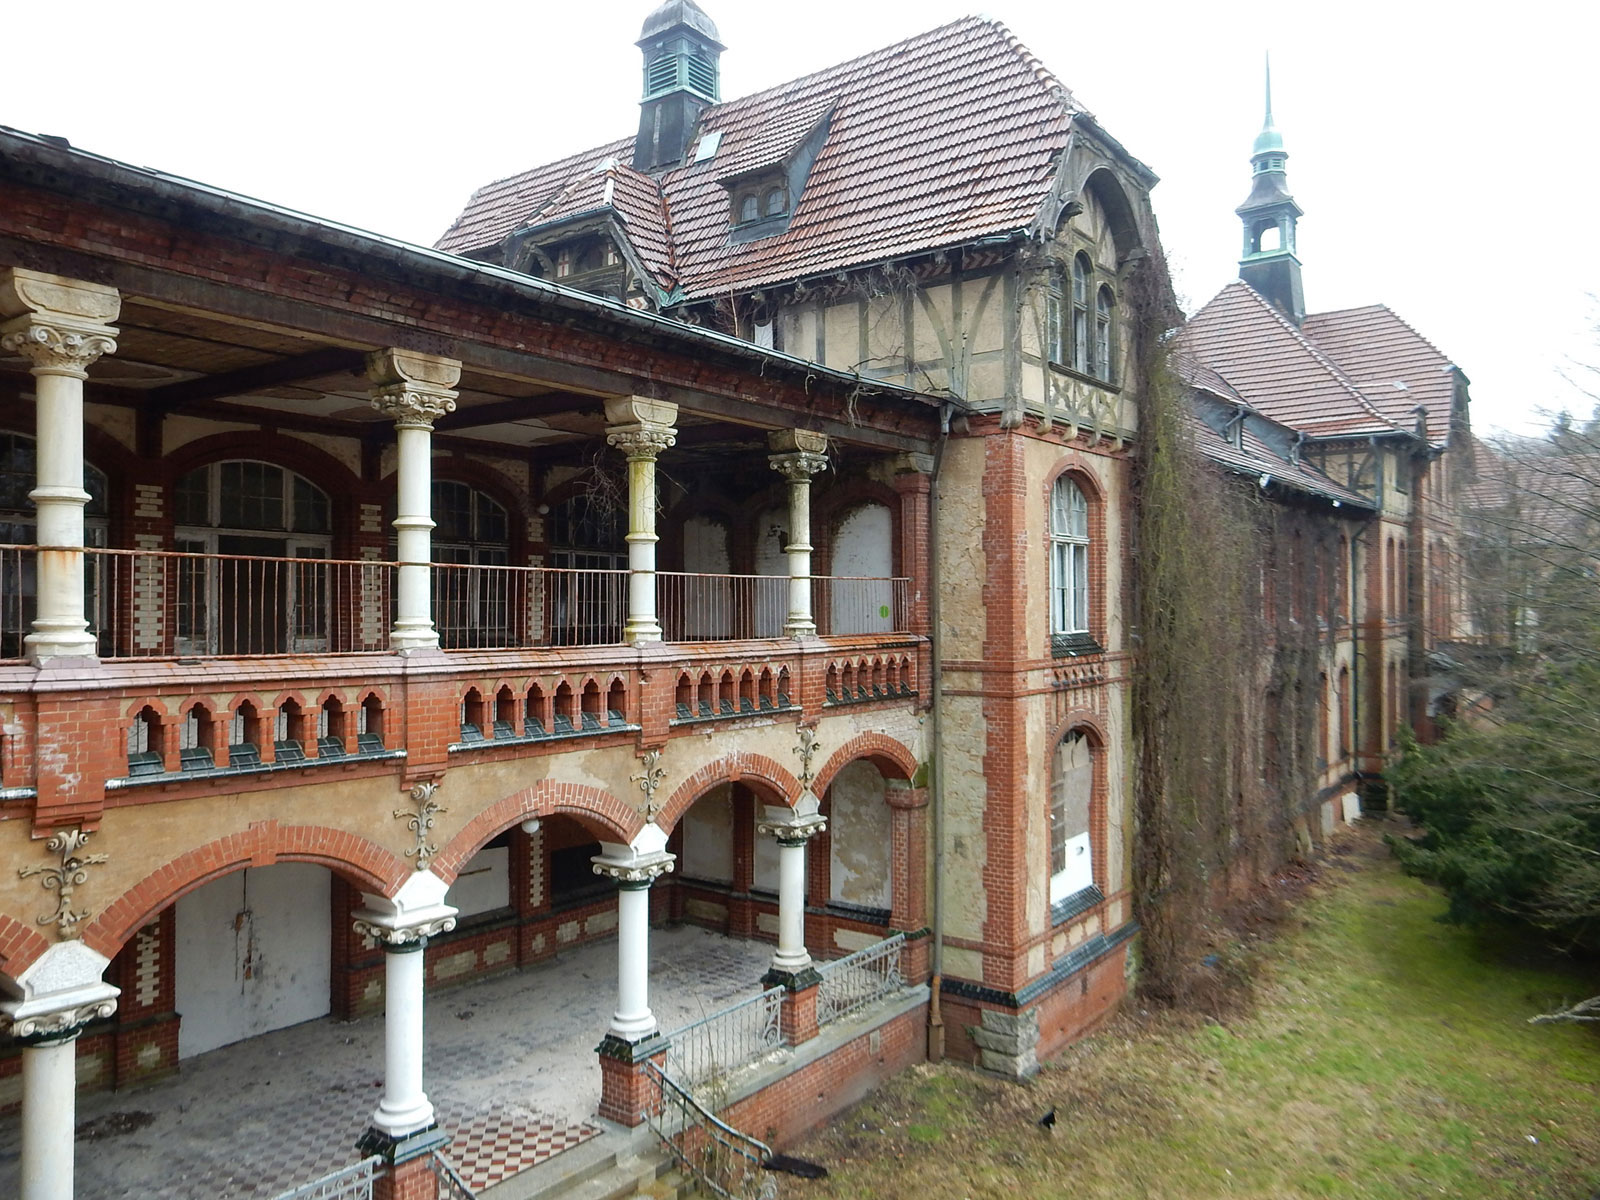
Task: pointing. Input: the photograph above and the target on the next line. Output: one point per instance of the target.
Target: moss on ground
(1385, 1055)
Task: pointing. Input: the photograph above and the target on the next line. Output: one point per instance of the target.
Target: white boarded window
(1071, 791)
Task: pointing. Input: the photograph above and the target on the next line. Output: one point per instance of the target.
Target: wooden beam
(176, 397)
(518, 410)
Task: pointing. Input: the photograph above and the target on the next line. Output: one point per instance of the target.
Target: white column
(414, 389)
(61, 326)
(641, 429)
(49, 1099)
(403, 924)
(59, 994)
(635, 867)
(793, 828)
(801, 454)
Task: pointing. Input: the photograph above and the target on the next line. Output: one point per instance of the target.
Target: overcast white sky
(1444, 154)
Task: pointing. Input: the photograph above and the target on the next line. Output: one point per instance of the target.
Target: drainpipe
(936, 635)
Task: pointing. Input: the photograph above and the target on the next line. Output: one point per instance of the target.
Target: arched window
(252, 596)
(18, 526)
(1069, 559)
(749, 208)
(1055, 329)
(777, 202)
(472, 608)
(1102, 334)
(587, 535)
(1071, 796)
(1082, 272)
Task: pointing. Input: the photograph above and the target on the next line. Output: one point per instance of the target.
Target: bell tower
(681, 78)
(1271, 264)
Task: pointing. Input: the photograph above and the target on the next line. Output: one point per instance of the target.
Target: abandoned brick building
(725, 527)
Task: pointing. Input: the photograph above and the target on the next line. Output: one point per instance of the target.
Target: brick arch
(365, 864)
(1085, 719)
(281, 450)
(20, 946)
(596, 809)
(756, 770)
(891, 758)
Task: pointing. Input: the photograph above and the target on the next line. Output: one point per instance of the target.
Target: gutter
(935, 739)
(33, 160)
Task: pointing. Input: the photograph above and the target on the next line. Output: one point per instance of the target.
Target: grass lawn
(1383, 1054)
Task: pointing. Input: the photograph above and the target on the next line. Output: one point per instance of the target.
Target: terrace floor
(510, 1067)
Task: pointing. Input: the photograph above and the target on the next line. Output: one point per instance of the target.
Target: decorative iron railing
(348, 1183)
(479, 607)
(721, 608)
(725, 1162)
(865, 977)
(450, 1184)
(851, 605)
(166, 603)
(701, 1056)
(160, 603)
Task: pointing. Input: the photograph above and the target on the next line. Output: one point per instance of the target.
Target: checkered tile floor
(500, 1144)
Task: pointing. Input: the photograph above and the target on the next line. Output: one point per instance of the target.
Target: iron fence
(348, 1183)
(721, 608)
(865, 977)
(160, 603)
(724, 1161)
(450, 1185)
(701, 1056)
(484, 607)
(853, 605)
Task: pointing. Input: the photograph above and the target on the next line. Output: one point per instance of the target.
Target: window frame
(1072, 886)
(1073, 551)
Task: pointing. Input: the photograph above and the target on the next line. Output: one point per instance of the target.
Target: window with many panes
(1069, 559)
(260, 588)
(1082, 273)
(18, 526)
(473, 607)
(1101, 367)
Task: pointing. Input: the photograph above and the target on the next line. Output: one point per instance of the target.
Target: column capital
(60, 325)
(407, 919)
(413, 388)
(640, 427)
(798, 466)
(797, 441)
(792, 828)
(641, 872)
(59, 993)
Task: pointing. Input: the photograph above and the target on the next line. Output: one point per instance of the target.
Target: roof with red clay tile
(1395, 367)
(936, 141)
(1352, 372)
(1276, 368)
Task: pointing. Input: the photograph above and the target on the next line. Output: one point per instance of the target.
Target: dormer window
(563, 262)
(777, 202)
(749, 208)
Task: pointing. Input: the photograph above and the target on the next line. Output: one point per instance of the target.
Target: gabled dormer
(763, 194)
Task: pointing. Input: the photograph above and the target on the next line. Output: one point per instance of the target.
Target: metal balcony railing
(846, 605)
(164, 603)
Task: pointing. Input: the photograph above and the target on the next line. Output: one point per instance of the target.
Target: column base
(396, 1149)
(641, 633)
(47, 644)
(792, 980)
(403, 641)
(629, 1091)
(407, 1173)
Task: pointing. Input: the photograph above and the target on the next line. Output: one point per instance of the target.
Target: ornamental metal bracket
(72, 873)
(420, 822)
(807, 750)
(649, 780)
